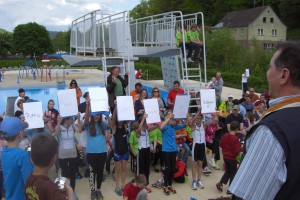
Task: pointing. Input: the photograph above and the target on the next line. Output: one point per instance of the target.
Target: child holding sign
(169, 149)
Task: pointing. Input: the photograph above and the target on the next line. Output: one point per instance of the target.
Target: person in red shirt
(231, 147)
(136, 189)
(180, 175)
(138, 74)
(173, 93)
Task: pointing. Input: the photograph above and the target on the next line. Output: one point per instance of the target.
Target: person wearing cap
(115, 86)
(21, 96)
(236, 116)
(226, 106)
(16, 163)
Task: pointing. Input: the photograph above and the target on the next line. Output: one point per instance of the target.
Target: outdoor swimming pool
(44, 94)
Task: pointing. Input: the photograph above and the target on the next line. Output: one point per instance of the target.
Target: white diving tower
(117, 40)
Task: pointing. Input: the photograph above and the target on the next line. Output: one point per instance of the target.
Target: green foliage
(5, 43)
(61, 42)
(31, 38)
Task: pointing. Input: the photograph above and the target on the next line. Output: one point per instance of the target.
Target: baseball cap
(230, 96)
(12, 126)
(236, 107)
(21, 90)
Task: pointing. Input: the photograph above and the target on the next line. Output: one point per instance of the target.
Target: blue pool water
(44, 94)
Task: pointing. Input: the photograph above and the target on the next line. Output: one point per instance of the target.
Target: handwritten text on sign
(33, 113)
(208, 100)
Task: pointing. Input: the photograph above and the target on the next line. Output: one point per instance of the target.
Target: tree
(31, 38)
(5, 43)
(61, 42)
(290, 11)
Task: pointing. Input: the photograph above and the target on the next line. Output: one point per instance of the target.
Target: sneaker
(148, 189)
(106, 173)
(189, 60)
(157, 185)
(206, 171)
(94, 195)
(228, 192)
(166, 191)
(199, 184)
(212, 162)
(86, 173)
(219, 187)
(172, 189)
(99, 195)
(194, 185)
(217, 167)
(118, 191)
(78, 176)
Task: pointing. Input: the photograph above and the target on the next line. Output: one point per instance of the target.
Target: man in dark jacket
(272, 145)
(115, 86)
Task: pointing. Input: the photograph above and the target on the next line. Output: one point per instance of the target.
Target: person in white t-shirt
(245, 77)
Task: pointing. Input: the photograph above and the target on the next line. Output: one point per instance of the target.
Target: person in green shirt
(179, 43)
(133, 140)
(157, 155)
(196, 43)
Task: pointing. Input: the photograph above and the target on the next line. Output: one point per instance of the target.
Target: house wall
(240, 33)
(267, 27)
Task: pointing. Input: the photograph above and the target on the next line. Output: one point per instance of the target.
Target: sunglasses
(155, 91)
(73, 83)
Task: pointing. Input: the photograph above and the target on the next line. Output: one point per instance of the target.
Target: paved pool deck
(94, 76)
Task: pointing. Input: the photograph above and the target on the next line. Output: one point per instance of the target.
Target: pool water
(44, 94)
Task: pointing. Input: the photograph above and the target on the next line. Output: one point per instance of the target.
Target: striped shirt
(263, 171)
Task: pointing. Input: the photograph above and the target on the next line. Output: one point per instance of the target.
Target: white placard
(33, 113)
(152, 110)
(125, 109)
(181, 106)
(99, 99)
(208, 100)
(247, 73)
(67, 103)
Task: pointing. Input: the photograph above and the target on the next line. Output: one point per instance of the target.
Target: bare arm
(164, 123)
(57, 128)
(87, 113)
(141, 124)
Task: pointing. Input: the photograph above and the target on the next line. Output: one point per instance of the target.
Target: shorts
(118, 157)
(198, 152)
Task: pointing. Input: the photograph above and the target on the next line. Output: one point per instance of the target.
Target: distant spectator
(173, 93)
(19, 111)
(21, 96)
(115, 86)
(226, 106)
(195, 42)
(82, 106)
(138, 74)
(219, 84)
(235, 116)
(248, 105)
(211, 83)
(139, 104)
(261, 100)
(245, 82)
(26, 98)
(74, 85)
(188, 46)
(136, 92)
(242, 109)
(254, 97)
(161, 103)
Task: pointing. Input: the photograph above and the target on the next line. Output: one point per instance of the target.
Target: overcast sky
(55, 15)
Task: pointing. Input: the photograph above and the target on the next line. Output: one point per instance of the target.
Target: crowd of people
(238, 124)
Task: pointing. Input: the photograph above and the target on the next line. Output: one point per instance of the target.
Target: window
(272, 20)
(274, 32)
(260, 31)
(264, 19)
(241, 31)
(268, 46)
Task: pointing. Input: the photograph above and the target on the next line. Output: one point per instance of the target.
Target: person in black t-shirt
(236, 116)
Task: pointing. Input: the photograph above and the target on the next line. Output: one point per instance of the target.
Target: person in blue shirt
(169, 149)
(96, 149)
(16, 163)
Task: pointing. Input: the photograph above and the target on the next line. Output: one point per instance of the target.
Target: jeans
(186, 152)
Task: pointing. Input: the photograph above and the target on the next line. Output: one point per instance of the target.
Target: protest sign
(99, 100)
(152, 110)
(67, 103)
(33, 113)
(208, 100)
(125, 109)
(181, 106)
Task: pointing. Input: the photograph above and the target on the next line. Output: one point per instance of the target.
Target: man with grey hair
(270, 168)
(219, 84)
